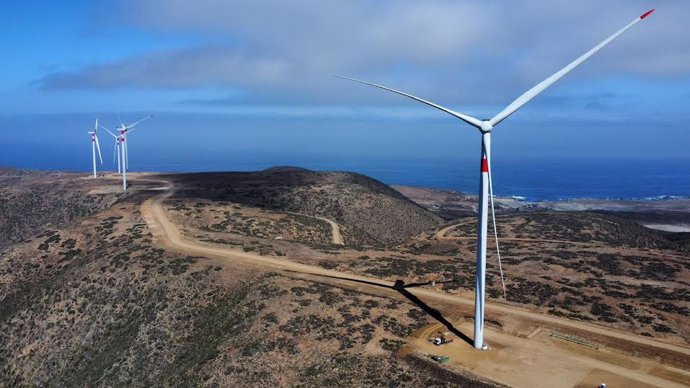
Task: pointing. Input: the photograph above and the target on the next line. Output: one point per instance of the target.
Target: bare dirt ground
(543, 360)
(520, 358)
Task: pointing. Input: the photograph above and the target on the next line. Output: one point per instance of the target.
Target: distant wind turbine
(124, 129)
(121, 147)
(95, 146)
(485, 127)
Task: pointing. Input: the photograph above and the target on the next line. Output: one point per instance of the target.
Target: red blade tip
(646, 14)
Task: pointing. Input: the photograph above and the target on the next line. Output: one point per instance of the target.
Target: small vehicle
(440, 339)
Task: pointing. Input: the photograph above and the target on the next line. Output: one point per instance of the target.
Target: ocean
(534, 179)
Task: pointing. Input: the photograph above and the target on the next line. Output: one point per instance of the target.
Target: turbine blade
(540, 87)
(98, 147)
(107, 130)
(95, 127)
(114, 152)
(130, 126)
(468, 119)
(118, 119)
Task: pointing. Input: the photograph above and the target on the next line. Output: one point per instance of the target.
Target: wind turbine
(485, 127)
(95, 146)
(121, 147)
(123, 131)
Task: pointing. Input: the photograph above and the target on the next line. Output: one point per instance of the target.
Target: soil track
(441, 235)
(167, 235)
(336, 238)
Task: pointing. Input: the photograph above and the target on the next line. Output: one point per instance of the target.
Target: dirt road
(441, 235)
(167, 235)
(336, 237)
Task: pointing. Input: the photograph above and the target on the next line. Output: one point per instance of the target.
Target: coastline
(669, 214)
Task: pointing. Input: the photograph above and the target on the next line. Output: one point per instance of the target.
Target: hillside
(91, 301)
(578, 226)
(370, 212)
(582, 265)
(97, 304)
(32, 200)
(237, 279)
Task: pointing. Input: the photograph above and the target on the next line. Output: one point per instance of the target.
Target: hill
(370, 212)
(33, 200)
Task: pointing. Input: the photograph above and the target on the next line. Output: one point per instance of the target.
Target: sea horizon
(525, 178)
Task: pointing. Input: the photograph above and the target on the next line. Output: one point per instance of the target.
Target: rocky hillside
(95, 304)
(369, 212)
(87, 299)
(30, 201)
(583, 227)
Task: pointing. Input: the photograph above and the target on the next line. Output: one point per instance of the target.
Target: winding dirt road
(336, 237)
(335, 228)
(167, 235)
(441, 235)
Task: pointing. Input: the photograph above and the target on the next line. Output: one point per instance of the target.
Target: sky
(255, 78)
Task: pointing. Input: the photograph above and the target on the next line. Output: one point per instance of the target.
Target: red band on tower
(485, 165)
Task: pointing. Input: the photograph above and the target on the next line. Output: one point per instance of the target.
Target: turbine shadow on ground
(400, 287)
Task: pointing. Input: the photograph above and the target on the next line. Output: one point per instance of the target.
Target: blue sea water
(535, 179)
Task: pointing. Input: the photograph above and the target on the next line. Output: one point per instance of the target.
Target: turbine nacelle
(486, 126)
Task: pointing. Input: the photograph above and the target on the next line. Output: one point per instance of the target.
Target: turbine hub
(486, 126)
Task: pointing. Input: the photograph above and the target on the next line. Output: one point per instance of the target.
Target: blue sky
(254, 76)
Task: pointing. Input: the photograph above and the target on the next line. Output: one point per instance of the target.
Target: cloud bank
(479, 52)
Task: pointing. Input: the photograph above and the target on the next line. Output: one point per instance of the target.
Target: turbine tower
(485, 127)
(95, 146)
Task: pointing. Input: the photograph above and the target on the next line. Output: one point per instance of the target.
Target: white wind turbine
(95, 146)
(124, 129)
(485, 127)
(121, 143)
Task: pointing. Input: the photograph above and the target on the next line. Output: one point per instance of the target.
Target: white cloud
(458, 52)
